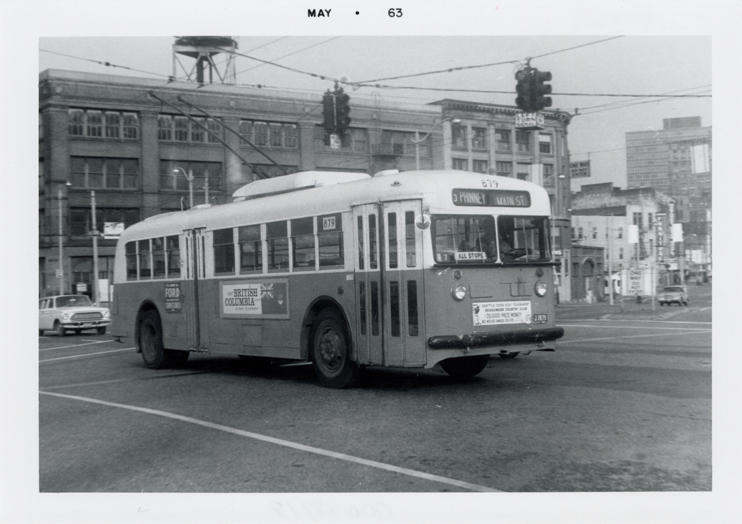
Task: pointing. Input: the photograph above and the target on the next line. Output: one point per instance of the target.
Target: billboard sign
(579, 169)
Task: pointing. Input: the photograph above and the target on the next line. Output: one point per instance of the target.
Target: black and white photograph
(351, 262)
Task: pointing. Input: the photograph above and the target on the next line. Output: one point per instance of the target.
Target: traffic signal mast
(335, 113)
(531, 89)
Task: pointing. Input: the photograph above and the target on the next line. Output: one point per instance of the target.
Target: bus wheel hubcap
(330, 349)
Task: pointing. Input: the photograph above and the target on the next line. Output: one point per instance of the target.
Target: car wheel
(331, 352)
(59, 328)
(102, 330)
(465, 367)
(508, 355)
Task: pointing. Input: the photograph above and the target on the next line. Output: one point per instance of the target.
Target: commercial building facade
(120, 140)
(124, 145)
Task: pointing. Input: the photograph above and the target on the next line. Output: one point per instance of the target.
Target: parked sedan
(71, 313)
(673, 294)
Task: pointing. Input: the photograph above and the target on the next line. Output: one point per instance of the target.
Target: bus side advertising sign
(254, 299)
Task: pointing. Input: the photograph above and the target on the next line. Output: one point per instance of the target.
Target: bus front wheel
(154, 355)
(465, 367)
(331, 351)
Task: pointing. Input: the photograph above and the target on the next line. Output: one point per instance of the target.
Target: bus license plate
(540, 318)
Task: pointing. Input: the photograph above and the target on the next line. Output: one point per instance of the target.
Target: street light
(417, 140)
(189, 177)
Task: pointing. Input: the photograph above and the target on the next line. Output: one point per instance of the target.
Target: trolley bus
(345, 270)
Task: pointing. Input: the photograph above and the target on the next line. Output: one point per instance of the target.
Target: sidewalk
(604, 310)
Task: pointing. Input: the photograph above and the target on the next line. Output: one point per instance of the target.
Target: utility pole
(61, 238)
(94, 232)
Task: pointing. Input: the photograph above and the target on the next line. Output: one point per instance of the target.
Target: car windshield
(72, 301)
(475, 239)
(673, 289)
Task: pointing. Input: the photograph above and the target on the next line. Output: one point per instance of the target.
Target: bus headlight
(540, 288)
(459, 293)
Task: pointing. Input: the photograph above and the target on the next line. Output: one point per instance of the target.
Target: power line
(289, 54)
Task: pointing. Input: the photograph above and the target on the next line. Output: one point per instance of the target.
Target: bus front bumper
(477, 340)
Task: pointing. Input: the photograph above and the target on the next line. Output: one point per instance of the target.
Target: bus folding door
(402, 278)
(194, 304)
(388, 276)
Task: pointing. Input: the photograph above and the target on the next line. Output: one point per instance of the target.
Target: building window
(503, 137)
(272, 134)
(172, 180)
(504, 168)
(197, 131)
(479, 138)
(91, 123)
(215, 131)
(460, 164)
(165, 127)
(81, 222)
(182, 129)
(104, 173)
(544, 143)
(620, 232)
(480, 166)
(458, 137)
(523, 171)
(523, 141)
(595, 232)
(548, 172)
(355, 140)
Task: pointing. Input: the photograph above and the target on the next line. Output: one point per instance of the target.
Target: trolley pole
(94, 232)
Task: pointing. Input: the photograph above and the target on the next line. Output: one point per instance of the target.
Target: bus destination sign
(490, 198)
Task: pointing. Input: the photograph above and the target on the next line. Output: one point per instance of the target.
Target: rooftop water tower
(202, 50)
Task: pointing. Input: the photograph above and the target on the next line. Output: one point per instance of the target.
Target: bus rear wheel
(154, 355)
(331, 351)
(465, 367)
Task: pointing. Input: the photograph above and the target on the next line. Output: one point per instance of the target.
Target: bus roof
(313, 193)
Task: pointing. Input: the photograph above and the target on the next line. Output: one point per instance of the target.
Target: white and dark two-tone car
(71, 313)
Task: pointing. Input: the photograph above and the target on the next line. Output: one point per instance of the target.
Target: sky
(646, 72)
(632, 47)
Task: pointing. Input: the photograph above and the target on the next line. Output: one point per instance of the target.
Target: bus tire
(150, 340)
(465, 367)
(330, 351)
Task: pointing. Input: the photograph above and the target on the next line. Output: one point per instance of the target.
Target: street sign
(530, 120)
(59, 273)
(112, 229)
(335, 142)
(635, 281)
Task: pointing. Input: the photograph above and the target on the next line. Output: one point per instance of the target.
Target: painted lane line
(284, 443)
(635, 336)
(76, 345)
(123, 380)
(85, 355)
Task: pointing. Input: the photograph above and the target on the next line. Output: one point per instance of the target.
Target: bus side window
(224, 251)
(330, 236)
(172, 249)
(145, 264)
(158, 256)
(131, 261)
(251, 249)
(277, 246)
(302, 244)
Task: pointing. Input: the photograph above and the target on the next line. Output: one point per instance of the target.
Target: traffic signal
(343, 111)
(329, 121)
(524, 89)
(540, 89)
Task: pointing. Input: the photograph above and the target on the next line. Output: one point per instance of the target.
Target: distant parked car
(674, 294)
(71, 313)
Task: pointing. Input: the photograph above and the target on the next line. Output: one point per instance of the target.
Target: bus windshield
(470, 239)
